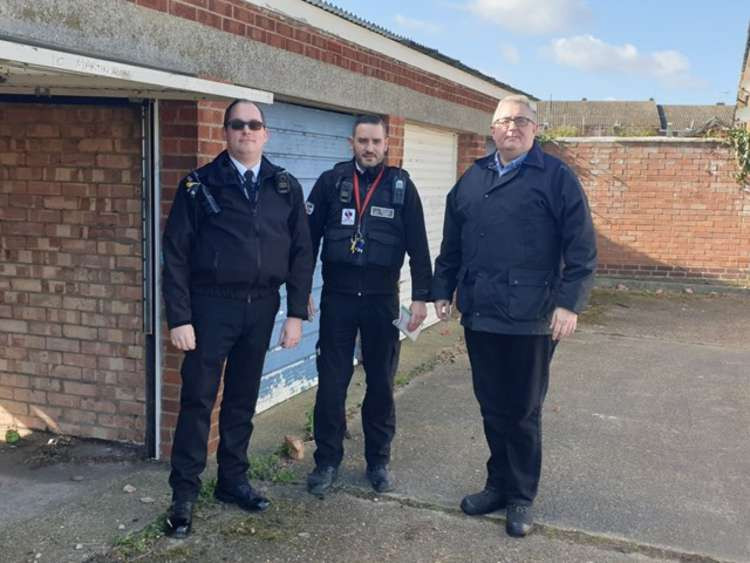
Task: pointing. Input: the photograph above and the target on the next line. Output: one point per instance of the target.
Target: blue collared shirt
(512, 165)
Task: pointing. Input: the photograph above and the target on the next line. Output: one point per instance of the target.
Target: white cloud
(531, 16)
(510, 54)
(417, 25)
(590, 54)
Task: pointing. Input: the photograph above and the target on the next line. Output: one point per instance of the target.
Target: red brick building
(105, 106)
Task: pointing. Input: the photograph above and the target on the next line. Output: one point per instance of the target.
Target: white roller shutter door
(430, 157)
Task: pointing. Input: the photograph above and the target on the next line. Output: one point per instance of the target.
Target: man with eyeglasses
(519, 247)
(236, 232)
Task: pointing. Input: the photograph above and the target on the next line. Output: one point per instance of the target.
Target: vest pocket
(529, 297)
(383, 249)
(337, 246)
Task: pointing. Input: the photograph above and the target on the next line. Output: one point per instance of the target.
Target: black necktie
(249, 186)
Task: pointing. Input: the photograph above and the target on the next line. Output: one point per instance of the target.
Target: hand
(183, 337)
(443, 309)
(418, 311)
(291, 333)
(563, 323)
(311, 308)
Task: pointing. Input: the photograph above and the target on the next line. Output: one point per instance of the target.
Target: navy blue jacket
(247, 248)
(516, 246)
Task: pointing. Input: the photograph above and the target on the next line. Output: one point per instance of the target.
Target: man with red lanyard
(368, 215)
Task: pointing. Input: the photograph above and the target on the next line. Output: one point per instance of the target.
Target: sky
(675, 51)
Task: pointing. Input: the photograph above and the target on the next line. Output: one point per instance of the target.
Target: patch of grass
(269, 467)
(206, 494)
(445, 356)
(175, 554)
(309, 423)
(281, 522)
(138, 543)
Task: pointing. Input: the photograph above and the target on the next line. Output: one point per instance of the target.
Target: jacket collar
(535, 158)
(221, 171)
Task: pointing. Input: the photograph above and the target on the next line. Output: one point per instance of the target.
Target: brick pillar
(191, 135)
(395, 141)
(470, 148)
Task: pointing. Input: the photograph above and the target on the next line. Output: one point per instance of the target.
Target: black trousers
(510, 375)
(240, 332)
(341, 315)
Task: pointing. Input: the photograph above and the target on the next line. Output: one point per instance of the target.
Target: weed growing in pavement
(269, 467)
(309, 424)
(138, 543)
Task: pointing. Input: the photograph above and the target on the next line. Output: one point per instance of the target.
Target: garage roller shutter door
(430, 157)
(306, 141)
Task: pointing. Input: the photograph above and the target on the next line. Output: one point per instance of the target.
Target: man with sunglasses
(519, 246)
(369, 216)
(236, 232)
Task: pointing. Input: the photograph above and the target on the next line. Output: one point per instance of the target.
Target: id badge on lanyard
(357, 245)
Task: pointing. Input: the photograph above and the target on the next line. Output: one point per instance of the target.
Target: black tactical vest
(381, 225)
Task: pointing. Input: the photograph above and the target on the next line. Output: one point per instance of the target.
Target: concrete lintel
(30, 67)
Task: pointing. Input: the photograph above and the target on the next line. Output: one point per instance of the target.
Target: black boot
(243, 495)
(380, 478)
(519, 520)
(483, 502)
(179, 519)
(321, 479)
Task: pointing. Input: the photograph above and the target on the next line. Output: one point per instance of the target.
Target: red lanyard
(360, 207)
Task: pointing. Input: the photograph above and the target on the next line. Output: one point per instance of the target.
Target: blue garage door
(305, 141)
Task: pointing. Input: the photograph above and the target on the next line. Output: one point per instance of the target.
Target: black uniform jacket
(389, 227)
(246, 248)
(516, 246)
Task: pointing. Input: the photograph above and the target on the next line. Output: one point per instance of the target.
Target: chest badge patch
(310, 207)
(347, 216)
(384, 212)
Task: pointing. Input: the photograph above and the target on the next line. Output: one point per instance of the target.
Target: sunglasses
(239, 125)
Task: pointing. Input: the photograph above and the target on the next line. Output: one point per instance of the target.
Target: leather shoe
(380, 478)
(320, 480)
(244, 496)
(483, 502)
(519, 520)
(179, 519)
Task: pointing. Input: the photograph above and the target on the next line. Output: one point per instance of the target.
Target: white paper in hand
(403, 321)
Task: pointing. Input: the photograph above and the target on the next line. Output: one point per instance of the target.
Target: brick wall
(664, 209)
(470, 148)
(257, 24)
(191, 135)
(395, 155)
(71, 344)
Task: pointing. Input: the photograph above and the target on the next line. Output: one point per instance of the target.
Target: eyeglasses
(519, 121)
(239, 125)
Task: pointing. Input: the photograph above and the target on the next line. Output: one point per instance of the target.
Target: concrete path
(646, 458)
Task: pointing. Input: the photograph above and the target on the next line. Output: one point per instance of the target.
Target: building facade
(105, 105)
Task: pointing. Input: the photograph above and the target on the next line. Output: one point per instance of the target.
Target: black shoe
(179, 519)
(321, 479)
(380, 478)
(483, 502)
(519, 520)
(244, 496)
